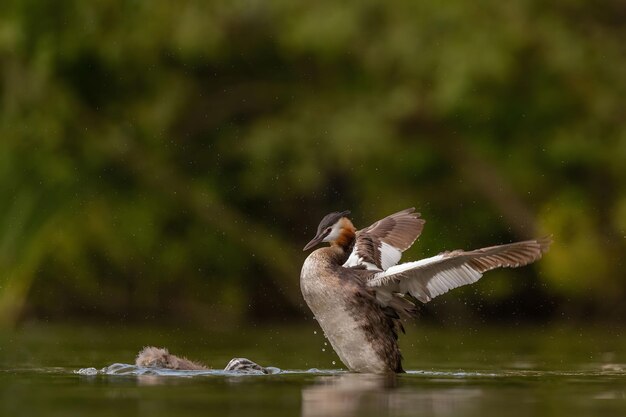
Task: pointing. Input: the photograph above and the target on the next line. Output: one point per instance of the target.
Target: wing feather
(428, 278)
(380, 245)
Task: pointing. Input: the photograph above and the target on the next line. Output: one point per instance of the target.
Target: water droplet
(314, 331)
(334, 363)
(325, 343)
(323, 350)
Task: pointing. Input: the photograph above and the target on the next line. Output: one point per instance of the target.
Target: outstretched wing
(380, 245)
(430, 277)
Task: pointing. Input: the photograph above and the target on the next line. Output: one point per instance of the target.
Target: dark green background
(165, 162)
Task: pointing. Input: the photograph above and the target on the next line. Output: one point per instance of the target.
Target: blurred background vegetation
(167, 161)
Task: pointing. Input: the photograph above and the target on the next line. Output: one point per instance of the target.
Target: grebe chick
(153, 357)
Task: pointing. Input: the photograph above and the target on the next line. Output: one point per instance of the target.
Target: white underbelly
(348, 339)
(341, 328)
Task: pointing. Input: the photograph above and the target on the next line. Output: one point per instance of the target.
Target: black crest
(331, 219)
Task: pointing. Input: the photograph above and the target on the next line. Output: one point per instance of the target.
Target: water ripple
(133, 370)
(126, 369)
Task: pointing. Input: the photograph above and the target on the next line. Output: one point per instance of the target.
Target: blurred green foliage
(168, 160)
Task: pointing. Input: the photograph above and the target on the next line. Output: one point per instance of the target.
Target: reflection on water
(357, 395)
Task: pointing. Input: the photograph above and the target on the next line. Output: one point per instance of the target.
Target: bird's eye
(328, 230)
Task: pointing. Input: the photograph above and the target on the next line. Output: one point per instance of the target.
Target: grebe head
(334, 227)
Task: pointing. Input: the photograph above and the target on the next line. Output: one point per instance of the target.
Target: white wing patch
(398, 269)
(425, 279)
(389, 256)
(446, 280)
(355, 260)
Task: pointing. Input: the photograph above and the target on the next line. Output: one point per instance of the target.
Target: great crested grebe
(357, 290)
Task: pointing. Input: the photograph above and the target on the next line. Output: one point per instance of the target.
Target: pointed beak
(314, 242)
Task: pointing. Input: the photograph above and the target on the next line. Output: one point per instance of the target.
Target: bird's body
(357, 292)
(358, 329)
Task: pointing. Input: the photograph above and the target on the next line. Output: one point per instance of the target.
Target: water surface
(79, 370)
